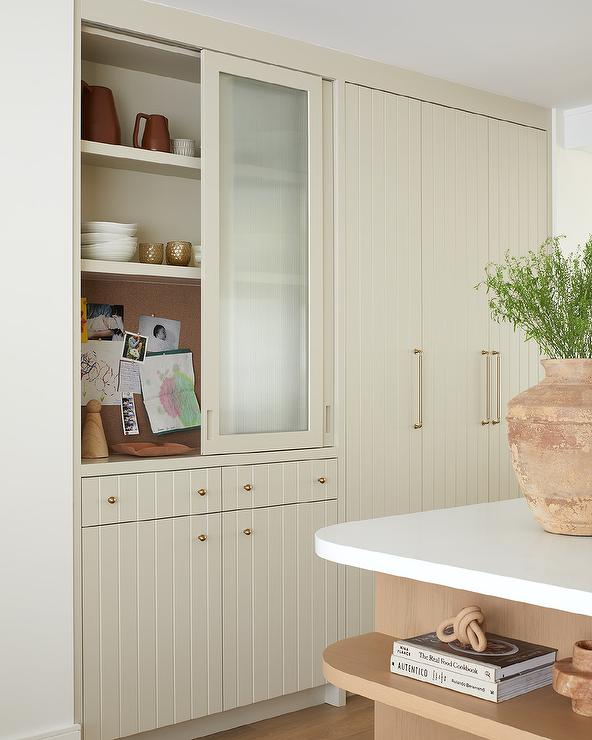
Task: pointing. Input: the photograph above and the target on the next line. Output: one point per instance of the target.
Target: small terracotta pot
(550, 435)
(573, 677)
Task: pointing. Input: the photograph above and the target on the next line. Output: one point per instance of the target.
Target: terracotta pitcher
(156, 133)
(99, 115)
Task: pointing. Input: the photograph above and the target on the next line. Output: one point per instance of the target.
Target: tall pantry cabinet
(432, 194)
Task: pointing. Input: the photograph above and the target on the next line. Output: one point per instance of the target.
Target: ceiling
(533, 50)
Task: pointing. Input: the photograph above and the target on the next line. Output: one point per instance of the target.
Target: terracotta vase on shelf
(573, 677)
(550, 435)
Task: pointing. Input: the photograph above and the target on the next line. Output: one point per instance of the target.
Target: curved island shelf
(531, 586)
(360, 665)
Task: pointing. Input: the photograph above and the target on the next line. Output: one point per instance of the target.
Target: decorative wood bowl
(573, 677)
(149, 449)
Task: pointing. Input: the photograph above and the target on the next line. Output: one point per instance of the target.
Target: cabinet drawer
(249, 486)
(128, 498)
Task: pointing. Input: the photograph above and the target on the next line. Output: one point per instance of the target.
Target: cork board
(180, 302)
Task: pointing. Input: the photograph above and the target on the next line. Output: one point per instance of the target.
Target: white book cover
(503, 657)
(447, 679)
(489, 690)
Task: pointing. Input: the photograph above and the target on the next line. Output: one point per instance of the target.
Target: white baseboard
(66, 733)
(236, 717)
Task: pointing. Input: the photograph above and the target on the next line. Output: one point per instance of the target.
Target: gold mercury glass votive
(178, 253)
(151, 253)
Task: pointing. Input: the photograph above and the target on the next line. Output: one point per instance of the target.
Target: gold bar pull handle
(487, 420)
(419, 354)
(498, 382)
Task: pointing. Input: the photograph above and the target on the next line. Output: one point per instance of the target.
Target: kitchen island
(531, 585)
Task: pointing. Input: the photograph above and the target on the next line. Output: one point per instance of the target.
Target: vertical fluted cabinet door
(280, 601)
(518, 222)
(455, 319)
(152, 640)
(382, 312)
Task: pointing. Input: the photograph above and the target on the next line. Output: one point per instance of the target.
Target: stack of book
(508, 668)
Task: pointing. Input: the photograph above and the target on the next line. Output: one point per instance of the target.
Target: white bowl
(96, 238)
(108, 227)
(118, 257)
(112, 247)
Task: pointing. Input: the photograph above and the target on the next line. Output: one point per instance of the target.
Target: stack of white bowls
(108, 240)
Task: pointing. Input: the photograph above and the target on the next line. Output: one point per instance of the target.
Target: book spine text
(447, 679)
(445, 662)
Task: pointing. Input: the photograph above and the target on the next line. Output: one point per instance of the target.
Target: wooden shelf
(139, 272)
(361, 665)
(140, 160)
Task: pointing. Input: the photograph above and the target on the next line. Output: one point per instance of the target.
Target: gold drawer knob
(247, 531)
(112, 500)
(248, 487)
(202, 537)
(202, 491)
(322, 479)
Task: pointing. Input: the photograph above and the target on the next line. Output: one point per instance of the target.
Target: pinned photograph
(163, 334)
(134, 347)
(128, 415)
(104, 321)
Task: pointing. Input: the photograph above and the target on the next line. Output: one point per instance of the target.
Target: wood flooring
(355, 721)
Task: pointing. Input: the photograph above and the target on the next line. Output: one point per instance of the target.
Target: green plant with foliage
(548, 294)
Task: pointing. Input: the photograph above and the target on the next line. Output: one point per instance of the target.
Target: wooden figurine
(94, 443)
(573, 677)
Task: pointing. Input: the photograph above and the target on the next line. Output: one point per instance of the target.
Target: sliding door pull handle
(419, 354)
(498, 383)
(487, 420)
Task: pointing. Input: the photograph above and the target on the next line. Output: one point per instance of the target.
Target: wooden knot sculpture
(466, 628)
(573, 677)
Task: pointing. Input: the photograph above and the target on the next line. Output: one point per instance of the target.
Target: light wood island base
(410, 710)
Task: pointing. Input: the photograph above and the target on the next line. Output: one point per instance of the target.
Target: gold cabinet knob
(247, 531)
(248, 487)
(322, 479)
(202, 491)
(202, 537)
(112, 500)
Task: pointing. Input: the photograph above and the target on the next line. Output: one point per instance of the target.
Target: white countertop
(496, 549)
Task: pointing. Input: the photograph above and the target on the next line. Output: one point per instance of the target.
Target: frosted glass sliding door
(262, 270)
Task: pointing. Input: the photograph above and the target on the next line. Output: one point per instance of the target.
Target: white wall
(36, 643)
(572, 191)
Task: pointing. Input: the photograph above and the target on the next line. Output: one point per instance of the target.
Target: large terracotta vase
(550, 434)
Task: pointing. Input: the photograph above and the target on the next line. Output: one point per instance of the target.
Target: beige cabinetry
(280, 601)
(432, 194)
(188, 614)
(152, 634)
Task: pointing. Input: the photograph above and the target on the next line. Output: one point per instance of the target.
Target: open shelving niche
(158, 190)
(361, 665)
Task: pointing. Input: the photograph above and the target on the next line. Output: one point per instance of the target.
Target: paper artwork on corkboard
(99, 372)
(168, 390)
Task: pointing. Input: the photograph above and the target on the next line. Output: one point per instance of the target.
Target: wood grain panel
(152, 645)
(277, 604)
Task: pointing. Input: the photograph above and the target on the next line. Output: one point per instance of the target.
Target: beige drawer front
(248, 486)
(129, 498)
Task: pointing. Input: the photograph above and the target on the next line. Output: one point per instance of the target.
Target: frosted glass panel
(264, 309)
